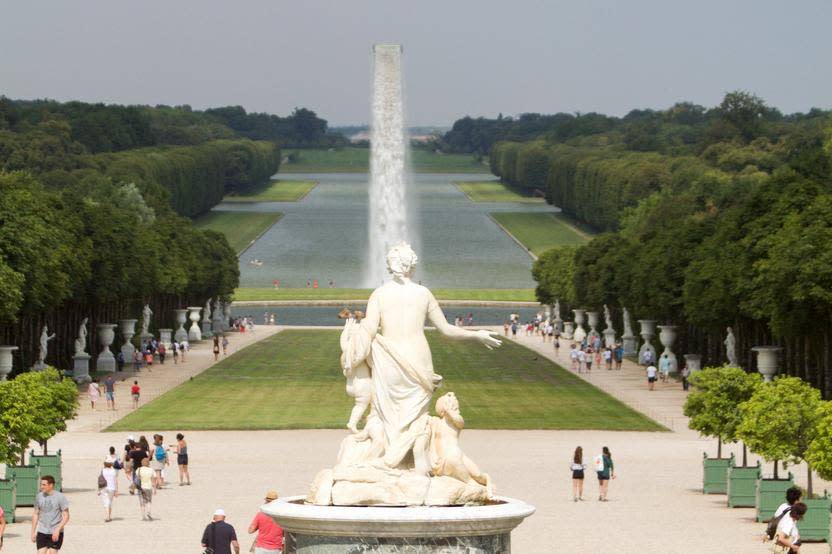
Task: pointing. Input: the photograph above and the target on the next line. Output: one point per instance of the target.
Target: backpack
(160, 453)
(599, 463)
(771, 527)
(102, 482)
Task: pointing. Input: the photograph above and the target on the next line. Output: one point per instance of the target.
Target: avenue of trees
(731, 232)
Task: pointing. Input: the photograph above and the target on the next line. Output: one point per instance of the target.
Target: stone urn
(128, 329)
(181, 318)
(568, 330)
(194, 333)
(106, 334)
(693, 362)
(667, 334)
(579, 334)
(648, 331)
(592, 318)
(6, 361)
(767, 361)
(165, 337)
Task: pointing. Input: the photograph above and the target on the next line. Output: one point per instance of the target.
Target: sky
(461, 57)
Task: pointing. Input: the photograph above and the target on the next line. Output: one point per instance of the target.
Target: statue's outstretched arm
(437, 317)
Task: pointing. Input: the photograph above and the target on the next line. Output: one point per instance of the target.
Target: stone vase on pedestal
(648, 331)
(165, 336)
(128, 329)
(106, 361)
(181, 318)
(568, 330)
(693, 362)
(767, 361)
(579, 334)
(206, 329)
(592, 319)
(6, 360)
(81, 368)
(667, 334)
(194, 333)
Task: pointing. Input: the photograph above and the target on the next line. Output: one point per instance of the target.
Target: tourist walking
(120, 361)
(647, 357)
(135, 392)
(216, 348)
(581, 361)
(651, 376)
(220, 536)
(685, 373)
(175, 347)
(108, 488)
(94, 392)
(557, 345)
(127, 462)
(608, 358)
(506, 327)
(110, 392)
(578, 468)
(138, 454)
(158, 461)
(137, 360)
(588, 360)
(184, 346)
(181, 449)
(144, 486)
(2, 526)
(162, 352)
(573, 355)
(619, 355)
(606, 471)
(51, 514)
(514, 330)
(224, 345)
(269, 534)
(664, 367)
(787, 537)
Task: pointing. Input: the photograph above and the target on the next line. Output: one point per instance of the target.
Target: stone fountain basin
(313, 528)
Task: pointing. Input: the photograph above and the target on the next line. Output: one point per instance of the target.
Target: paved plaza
(656, 504)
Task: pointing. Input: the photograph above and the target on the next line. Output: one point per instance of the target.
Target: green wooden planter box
(815, 524)
(715, 474)
(28, 482)
(49, 465)
(742, 486)
(770, 494)
(8, 498)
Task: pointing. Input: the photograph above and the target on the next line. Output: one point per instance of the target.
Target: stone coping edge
(383, 521)
(472, 303)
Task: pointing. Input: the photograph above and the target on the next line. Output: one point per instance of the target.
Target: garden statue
(628, 325)
(731, 348)
(206, 312)
(44, 347)
(81, 341)
(393, 459)
(146, 315)
(607, 317)
(557, 310)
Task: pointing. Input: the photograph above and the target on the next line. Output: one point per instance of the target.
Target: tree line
(729, 233)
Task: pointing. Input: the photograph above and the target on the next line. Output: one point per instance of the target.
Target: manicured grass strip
(276, 190)
(539, 231)
(292, 381)
(240, 228)
(262, 294)
(357, 160)
(494, 191)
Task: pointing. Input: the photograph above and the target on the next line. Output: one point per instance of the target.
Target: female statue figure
(731, 348)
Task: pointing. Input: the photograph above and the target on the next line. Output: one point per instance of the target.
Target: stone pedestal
(629, 342)
(165, 337)
(311, 529)
(667, 334)
(568, 330)
(693, 362)
(648, 331)
(558, 325)
(194, 333)
(592, 320)
(181, 317)
(767, 361)
(106, 362)
(128, 329)
(579, 334)
(609, 338)
(206, 329)
(38, 366)
(6, 361)
(81, 368)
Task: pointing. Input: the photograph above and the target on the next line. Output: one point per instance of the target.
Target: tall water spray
(388, 158)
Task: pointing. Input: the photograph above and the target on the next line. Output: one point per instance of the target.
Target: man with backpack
(793, 496)
(219, 536)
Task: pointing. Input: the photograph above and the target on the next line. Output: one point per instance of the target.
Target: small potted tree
(779, 422)
(712, 407)
(815, 524)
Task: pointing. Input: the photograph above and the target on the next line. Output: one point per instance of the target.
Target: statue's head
(446, 403)
(401, 260)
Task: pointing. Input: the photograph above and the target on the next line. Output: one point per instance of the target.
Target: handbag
(102, 482)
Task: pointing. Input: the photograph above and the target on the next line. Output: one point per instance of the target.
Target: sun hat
(131, 438)
(271, 495)
(219, 512)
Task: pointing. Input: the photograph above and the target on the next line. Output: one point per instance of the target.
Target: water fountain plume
(388, 221)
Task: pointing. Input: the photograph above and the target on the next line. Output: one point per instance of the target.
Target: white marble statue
(45, 337)
(607, 317)
(628, 324)
(389, 461)
(731, 348)
(556, 311)
(147, 313)
(81, 341)
(359, 381)
(206, 313)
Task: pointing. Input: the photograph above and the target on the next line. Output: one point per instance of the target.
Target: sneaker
(576, 499)
(149, 517)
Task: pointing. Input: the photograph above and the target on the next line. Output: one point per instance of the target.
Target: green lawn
(240, 228)
(292, 381)
(494, 191)
(356, 160)
(262, 294)
(540, 231)
(276, 190)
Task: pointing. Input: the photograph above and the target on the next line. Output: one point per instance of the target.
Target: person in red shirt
(135, 391)
(269, 534)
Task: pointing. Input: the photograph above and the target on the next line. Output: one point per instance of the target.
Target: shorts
(651, 379)
(136, 397)
(602, 477)
(128, 466)
(111, 396)
(577, 474)
(146, 496)
(157, 465)
(44, 540)
(261, 550)
(182, 459)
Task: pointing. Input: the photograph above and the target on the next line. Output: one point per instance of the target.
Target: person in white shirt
(581, 361)
(608, 358)
(110, 490)
(793, 494)
(787, 536)
(573, 355)
(651, 376)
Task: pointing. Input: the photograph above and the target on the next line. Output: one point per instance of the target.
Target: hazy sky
(461, 57)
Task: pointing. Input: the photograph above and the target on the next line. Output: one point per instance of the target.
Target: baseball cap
(131, 438)
(219, 512)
